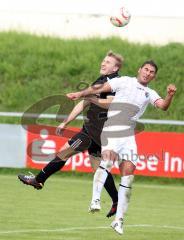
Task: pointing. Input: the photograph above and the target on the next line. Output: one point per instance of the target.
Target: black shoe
(30, 180)
(112, 210)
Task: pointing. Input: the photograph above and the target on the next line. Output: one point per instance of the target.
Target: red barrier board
(160, 154)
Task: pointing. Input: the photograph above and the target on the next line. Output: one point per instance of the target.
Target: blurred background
(157, 22)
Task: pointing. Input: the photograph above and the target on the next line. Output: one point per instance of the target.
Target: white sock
(124, 196)
(98, 182)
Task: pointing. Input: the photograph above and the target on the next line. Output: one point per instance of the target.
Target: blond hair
(119, 59)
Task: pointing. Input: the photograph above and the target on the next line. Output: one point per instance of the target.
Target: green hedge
(32, 68)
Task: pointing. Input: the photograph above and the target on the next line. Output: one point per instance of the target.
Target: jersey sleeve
(154, 97)
(115, 83)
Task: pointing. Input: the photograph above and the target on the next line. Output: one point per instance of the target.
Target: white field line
(89, 228)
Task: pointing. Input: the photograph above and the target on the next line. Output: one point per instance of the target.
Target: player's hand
(60, 128)
(171, 89)
(74, 96)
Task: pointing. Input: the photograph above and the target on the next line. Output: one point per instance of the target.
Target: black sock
(53, 166)
(111, 188)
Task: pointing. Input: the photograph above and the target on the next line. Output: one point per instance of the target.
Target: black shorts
(82, 141)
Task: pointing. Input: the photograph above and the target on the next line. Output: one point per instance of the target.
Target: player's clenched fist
(74, 96)
(171, 89)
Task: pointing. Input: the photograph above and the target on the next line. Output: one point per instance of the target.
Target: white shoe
(95, 206)
(117, 225)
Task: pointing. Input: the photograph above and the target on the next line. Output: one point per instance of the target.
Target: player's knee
(126, 168)
(65, 152)
(64, 147)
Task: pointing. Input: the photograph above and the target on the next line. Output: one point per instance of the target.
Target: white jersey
(129, 90)
(128, 105)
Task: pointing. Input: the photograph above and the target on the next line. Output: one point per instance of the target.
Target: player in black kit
(89, 137)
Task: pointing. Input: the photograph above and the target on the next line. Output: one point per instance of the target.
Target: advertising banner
(160, 154)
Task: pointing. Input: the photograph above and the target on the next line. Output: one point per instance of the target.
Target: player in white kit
(118, 139)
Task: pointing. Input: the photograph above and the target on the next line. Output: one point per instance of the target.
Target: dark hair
(152, 63)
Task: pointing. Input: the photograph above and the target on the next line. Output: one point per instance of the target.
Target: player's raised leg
(53, 166)
(77, 143)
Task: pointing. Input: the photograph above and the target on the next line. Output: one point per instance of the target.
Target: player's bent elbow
(164, 108)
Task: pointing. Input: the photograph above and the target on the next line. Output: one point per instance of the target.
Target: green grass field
(59, 211)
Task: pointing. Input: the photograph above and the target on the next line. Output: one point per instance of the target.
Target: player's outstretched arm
(73, 114)
(165, 103)
(95, 89)
(103, 103)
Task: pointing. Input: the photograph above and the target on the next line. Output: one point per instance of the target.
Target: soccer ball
(121, 18)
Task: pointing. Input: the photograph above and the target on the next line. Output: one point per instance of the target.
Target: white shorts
(125, 147)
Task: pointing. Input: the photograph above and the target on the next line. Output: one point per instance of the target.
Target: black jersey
(96, 116)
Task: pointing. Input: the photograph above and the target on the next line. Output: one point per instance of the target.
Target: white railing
(80, 117)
